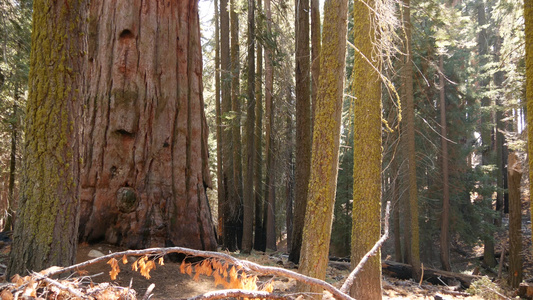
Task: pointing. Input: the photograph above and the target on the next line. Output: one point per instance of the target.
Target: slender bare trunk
(218, 115)
(407, 78)
(445, 216)
(303, 125)
(248, 218)
(515, 221)
(259, 238)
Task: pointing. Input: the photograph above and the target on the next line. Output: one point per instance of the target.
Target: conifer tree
(366, 220)
(326, 138)
(48, 217)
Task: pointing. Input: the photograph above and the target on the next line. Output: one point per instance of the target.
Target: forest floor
(170, 283)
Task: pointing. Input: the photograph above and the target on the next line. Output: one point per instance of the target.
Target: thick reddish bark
(144, 149)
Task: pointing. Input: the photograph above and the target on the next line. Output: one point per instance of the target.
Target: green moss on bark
(45, 232)
(366, 217)
(325, 149)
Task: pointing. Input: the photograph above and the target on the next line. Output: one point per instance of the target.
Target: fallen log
(404, 271)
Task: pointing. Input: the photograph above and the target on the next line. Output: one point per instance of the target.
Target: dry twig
(349, 281)
(60, 285)
(234, 293)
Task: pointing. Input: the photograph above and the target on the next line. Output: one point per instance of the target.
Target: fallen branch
(148, 293)
(247, 265)
(405, 271)
(349, 281)
(234, 293)
(60, 285)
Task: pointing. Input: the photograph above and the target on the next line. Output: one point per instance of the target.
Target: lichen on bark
(47, 222)
(325, 149)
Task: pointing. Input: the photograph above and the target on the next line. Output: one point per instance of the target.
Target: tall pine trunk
(366, 216)
(303, 125)
(326, 139)
(47, 223)
(270, 204)
(528, 18)
(259, 237)
(515, 221)
(407, 77)
(248, 196)
(445, 216)
(145, 156)
(231, 201)
(218, 116)
(236, 121)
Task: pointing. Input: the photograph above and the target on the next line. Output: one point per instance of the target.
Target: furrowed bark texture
(515, 221)
(326, 138)
(145, 167)
(366, 216)
(47, 222)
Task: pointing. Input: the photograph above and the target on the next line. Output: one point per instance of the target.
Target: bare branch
(349, 281)
(235, 293)
(148, 293)
(60, 285)
(247, 265)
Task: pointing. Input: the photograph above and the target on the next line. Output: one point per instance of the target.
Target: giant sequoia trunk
(144, 149)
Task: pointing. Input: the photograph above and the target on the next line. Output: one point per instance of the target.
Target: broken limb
(349, 281)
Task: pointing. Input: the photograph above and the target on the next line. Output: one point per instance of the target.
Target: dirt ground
(171, 284)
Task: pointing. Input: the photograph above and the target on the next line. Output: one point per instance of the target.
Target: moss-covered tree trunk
(326, 138)
(303, 124)
(366, 216)
(515, 221)
(145, 168)
(528, 17)
(47, 223)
